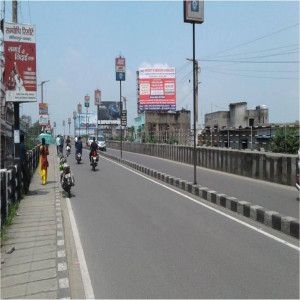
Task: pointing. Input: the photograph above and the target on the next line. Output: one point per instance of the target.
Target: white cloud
(145, 64)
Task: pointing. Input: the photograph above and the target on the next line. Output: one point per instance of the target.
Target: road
(277, 197)
(142, 239)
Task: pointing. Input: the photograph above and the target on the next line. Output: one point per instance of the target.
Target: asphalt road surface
(143, 240)
(276, 197)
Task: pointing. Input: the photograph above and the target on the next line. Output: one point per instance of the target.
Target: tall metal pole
(86, 123)
(120, 116)
(16, 104)
(194, 104)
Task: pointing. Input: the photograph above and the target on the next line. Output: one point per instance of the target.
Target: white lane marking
(211, 208)
(87, 285)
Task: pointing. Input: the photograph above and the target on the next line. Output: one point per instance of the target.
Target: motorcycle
(68, 150)
(66, 178)
(94, 160)
(78, 157)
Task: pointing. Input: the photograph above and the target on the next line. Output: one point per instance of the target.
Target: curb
(273, 219)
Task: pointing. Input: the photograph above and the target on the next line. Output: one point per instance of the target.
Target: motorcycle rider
(94, 147)
(78, 146)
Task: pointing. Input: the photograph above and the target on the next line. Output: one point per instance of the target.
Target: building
(238, 116)
(163, 127)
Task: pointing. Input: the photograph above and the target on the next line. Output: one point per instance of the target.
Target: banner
(97, 97)
(43, 108)
(157, 88)
(20, 62)
(90, 122)
(109, 110)
(43, 120)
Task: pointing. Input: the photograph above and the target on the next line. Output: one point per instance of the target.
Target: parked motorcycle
(94, 159)
(66, 178)
(78, 157)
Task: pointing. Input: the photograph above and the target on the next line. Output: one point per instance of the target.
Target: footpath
(33, 254)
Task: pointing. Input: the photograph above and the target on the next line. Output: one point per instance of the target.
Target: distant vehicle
(90, 140)
(298, 175)
(101, 143)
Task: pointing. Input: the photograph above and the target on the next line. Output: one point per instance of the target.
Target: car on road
(90, 140)
(101, 143)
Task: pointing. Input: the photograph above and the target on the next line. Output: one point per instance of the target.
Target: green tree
(286, 140)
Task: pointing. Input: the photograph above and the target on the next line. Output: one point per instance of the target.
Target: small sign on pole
(120, 68)
(79, 108)
(64, 123)
(97, 97)
(124, 118)
(87, 101)
(193, 11)
(69, 120)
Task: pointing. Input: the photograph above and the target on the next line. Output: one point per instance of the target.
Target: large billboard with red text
(157, 89)
(20, 62)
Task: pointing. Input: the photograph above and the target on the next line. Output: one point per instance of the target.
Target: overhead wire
(243, 75)
(251, 41)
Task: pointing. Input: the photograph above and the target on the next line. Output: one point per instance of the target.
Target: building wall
(238, 114)
(219, 118)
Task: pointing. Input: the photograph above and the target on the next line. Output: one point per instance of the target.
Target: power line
(270, 49)
(242, 75)
(254, 40)
(253, 62)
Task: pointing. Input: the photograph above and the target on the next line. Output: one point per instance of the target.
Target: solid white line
(211, 208)
(87, 285)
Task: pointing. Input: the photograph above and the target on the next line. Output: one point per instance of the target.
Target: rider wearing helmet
(94, 147)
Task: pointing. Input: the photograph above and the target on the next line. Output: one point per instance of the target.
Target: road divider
(273, 219)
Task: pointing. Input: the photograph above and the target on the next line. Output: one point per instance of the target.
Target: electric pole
(16, 104)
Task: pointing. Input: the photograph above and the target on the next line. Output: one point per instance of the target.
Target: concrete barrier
(274, 167)
(273, 219)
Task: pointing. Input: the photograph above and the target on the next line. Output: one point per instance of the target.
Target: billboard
(157, 89)
(109, 111)
(89, 121)
(20, 62)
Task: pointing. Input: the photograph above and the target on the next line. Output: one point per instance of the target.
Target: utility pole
(42, 91)
(16, 104)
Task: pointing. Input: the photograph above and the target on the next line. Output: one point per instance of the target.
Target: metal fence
(12, 182)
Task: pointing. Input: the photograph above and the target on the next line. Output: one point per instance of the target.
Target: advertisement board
(20, 62)
(109, 110)
(82, 122)
(79, 108)
(97, 97)
(157, 89)
(43, 108)
(43, 120)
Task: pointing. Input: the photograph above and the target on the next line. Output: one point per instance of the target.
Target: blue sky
(77, 43)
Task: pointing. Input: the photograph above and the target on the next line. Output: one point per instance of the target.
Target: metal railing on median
(12, 182)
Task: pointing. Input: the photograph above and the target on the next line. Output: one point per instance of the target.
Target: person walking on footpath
(61, 145)
(57, 144)
(24, 165)
(43, 161)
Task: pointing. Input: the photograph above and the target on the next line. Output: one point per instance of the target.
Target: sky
(247, 51)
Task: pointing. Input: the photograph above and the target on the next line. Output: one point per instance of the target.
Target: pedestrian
(61, 146)
(43, 161)
(24, 164)
(57, 144)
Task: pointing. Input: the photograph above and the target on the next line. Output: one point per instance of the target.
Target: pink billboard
(157, 88)
(20, 62)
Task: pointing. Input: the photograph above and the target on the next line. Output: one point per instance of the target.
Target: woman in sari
(43, 161)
